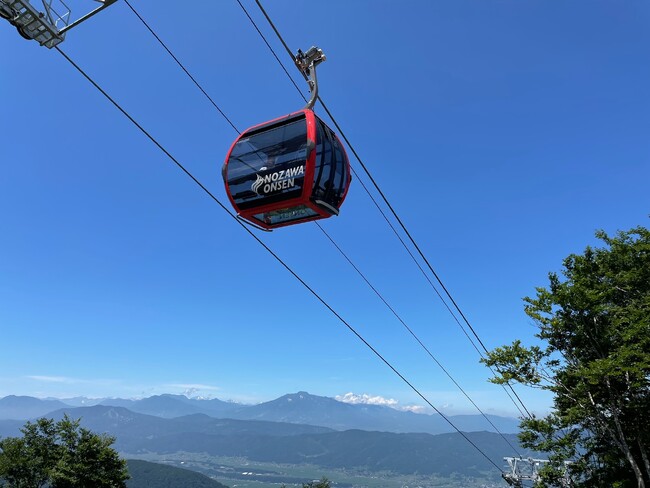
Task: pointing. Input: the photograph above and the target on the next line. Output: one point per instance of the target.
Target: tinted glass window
(268, 166)
(285, 215)
(323, 171)
(331, 173)
(341, 170)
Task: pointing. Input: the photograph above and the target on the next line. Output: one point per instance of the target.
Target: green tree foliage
(594, 356)
(60, 455)
(323, 483)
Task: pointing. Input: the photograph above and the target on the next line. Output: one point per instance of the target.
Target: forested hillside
(153, 475)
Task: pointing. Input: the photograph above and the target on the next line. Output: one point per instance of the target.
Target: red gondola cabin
(287, 171)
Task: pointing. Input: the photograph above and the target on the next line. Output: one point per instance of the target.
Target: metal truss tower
(46, 24)
(527, 469)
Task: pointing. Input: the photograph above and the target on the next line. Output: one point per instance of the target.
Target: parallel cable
(271, 49)
(288, 50)
(438, 279)
(414, 335)
(181, 65)
(399, 220)
(151, 30)
(363, 185)
(381, 211)
(356, 175)
(271, 252)
(372, 198)
(406, 248)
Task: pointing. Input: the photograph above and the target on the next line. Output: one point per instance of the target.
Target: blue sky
(504, 133)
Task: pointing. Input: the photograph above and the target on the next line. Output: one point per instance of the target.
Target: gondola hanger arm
(306, 63)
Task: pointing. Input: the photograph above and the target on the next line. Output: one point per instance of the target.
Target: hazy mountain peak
(301, 395)
(26, 407)
(296, 408)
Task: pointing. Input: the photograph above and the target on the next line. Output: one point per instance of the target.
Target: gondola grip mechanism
(306, 63)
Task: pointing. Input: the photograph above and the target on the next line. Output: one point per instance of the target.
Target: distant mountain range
(291, 443)
(25, 407)
(296, 408)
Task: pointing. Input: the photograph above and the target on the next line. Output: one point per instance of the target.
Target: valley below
(244, 473)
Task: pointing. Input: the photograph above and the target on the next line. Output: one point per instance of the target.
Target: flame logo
(256, 185)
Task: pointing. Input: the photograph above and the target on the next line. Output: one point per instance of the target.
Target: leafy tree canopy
(60, 455)
(323, 483)
(594, 356)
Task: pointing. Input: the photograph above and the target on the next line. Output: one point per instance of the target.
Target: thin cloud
(72, 381)
(54, 379)
(414, 408)
(193, 386)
